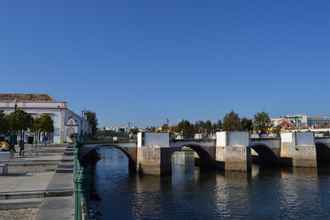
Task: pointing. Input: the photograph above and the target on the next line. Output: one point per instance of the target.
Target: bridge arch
(206, 154)
(322, 152)
(129, 152)
(265, 154)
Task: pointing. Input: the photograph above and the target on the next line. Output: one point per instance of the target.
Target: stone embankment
(39, 185)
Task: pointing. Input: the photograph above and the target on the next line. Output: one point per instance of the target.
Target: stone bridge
(230, 151)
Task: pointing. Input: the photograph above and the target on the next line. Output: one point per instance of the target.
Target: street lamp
(15, 104)
(83, 113)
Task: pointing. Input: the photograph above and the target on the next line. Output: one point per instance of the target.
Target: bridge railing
(81, 185)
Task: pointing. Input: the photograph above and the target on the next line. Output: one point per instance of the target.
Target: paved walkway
(25, 183)
(59, 207)
(50, 192)
(56, 208)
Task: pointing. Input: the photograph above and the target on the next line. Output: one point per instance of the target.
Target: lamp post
(82, 124)
(15, 105)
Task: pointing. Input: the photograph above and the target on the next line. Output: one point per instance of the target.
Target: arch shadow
(131, 158)
(322, 153)
(266, 156)
(205, 161)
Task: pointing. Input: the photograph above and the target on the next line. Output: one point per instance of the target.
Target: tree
(262, 122)
(199, 126)
(165, 128)
(92, 121)
(43, 125)
(36, 128)
(208, 127)
(4, 125)
(217, 126)
(186, 129)
(47, 125)
(231, 122)
(246, 124)
(204, 127)
(19, 121)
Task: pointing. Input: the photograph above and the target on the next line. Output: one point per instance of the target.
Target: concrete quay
(36, 186)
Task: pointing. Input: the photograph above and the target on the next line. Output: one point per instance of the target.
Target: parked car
(4, 146)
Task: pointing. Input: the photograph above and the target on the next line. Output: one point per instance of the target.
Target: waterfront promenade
(39, 185)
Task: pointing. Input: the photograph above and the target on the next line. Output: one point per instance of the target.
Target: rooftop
(21, 97)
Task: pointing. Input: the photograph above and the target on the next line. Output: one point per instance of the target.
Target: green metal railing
(81, 183)
(83, 178)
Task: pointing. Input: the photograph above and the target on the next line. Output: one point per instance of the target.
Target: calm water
(189, 194)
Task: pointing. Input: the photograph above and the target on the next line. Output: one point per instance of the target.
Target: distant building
(318, 122)
(66, 122)
(302, 121)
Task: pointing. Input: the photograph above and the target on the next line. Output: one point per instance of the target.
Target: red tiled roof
(25, 97)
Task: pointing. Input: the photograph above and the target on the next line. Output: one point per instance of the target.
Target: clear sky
(145, 61)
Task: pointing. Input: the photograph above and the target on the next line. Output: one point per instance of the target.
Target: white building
(304, 121)
(66, 122)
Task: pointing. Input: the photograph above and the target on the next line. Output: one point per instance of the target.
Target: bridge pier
(154, 154)
(300, 147)
(232, 149)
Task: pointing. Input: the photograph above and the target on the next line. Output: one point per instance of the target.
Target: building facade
(66, 122)
(302, 121)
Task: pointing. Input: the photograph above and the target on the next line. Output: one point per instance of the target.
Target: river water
(190, 194)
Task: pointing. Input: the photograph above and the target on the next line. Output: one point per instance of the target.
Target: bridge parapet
(147, 139)
(323, 140)
(232, 149)
(274, 144)
(300, 146)
(153, 151)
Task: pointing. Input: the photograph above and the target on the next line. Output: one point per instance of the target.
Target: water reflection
(192, 194)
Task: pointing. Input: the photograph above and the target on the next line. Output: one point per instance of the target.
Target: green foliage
(206, 127)
(246, 124)
(165, 128)
(19, 121)
(200, 126)
(37, 124)
(262, 122)
(92, 120)
(231, 122)
(4, 125)
(186, 129)
(218, 126)
(46, 123)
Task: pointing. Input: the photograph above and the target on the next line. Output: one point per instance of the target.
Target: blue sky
(145, 61)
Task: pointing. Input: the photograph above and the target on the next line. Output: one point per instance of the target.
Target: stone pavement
(55, 208)
(34, 189)
(24, 183)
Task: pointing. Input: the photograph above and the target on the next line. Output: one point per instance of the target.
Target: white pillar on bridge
(300, 146)
(232, 148)
(148, 139)
(151, 153)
